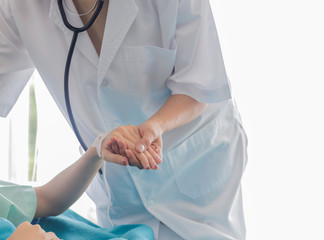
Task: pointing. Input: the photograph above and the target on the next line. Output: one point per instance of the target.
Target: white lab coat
(151, 49)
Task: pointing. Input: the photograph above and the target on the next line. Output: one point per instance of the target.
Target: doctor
(156, 65)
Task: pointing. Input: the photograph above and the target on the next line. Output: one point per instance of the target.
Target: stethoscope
(76, 32)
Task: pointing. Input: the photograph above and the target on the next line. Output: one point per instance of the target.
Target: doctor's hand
(119, 147)
(151, 135)
(27, 231)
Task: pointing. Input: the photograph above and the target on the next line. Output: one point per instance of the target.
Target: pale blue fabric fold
(6, 228)
(70, 226)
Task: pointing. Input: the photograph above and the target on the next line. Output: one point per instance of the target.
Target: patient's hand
(26, 231)
(122, 141)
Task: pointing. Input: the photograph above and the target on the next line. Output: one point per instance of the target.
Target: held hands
(26, 231)
(120, 146)
(144, 141)
(150, 133)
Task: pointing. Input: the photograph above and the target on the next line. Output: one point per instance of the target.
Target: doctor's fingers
(152, 162)
(118, 146)
(146, 160)
(126, 141)
(122, 146)
(133, 160)
(154, 154)
(123, 138)
(114, 158)
(156, 146)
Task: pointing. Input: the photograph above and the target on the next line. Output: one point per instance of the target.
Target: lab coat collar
(84, 44)
(121, 15)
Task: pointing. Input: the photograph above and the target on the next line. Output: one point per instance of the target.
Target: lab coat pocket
(148, 68)
(201, 164)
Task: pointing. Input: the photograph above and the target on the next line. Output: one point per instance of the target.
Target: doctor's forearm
(63, 190)
(178, 110)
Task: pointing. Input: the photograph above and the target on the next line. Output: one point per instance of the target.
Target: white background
(274, 55)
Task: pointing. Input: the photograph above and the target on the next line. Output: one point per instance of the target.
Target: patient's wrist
(98, 142)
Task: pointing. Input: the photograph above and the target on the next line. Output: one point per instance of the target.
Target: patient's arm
(26, 231)
(63, 190)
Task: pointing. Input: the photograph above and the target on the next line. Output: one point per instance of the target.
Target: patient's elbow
(46, 205)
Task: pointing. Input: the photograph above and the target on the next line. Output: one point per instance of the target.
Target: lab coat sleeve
(16, 66)
(199, 69)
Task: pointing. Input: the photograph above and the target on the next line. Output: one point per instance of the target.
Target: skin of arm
(178, 110)
(63, 190)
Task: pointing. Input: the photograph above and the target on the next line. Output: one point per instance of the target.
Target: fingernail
(140, 148)
(124, 162)
(127, 154)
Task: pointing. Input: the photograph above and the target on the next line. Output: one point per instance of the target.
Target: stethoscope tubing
(67, 91)
(76, 31)
(88, 25)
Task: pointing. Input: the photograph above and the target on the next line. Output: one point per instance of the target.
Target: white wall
(274, 55)
(4, 148)
(14, 142)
